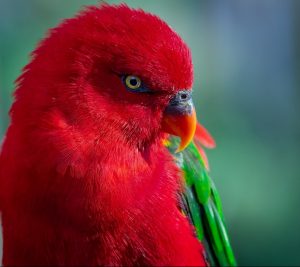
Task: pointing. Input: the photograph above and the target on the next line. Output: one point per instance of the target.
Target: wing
(200, 201)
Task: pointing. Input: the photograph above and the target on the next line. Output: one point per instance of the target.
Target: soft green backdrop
(247, 60)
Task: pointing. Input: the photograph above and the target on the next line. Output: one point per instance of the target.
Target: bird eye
(133, 82)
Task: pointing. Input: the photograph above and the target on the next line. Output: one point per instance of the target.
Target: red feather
(203, 138)
(84, 177)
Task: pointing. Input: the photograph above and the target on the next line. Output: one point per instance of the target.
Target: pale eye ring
(133, 82)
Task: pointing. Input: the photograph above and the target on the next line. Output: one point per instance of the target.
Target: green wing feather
(202, 205)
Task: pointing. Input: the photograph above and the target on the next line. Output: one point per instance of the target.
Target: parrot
(103, 162)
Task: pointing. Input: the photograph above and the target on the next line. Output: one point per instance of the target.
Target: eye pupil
(133, 81)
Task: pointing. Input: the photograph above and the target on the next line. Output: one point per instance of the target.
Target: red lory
(99, 165)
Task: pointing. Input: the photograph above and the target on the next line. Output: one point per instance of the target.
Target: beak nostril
(183, 96)
(182, 99)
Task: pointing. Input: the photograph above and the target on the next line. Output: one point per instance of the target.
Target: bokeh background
(247, 59)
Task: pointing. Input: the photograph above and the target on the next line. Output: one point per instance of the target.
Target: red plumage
(84, 177)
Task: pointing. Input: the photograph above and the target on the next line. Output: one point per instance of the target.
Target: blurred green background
(247, 60)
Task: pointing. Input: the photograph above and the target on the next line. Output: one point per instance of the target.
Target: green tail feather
(203, 205)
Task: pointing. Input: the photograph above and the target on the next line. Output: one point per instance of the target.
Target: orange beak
(180, 118)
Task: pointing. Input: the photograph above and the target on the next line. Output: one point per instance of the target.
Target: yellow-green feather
(204, 204)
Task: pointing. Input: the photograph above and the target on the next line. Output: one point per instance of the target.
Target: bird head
(116, 69)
